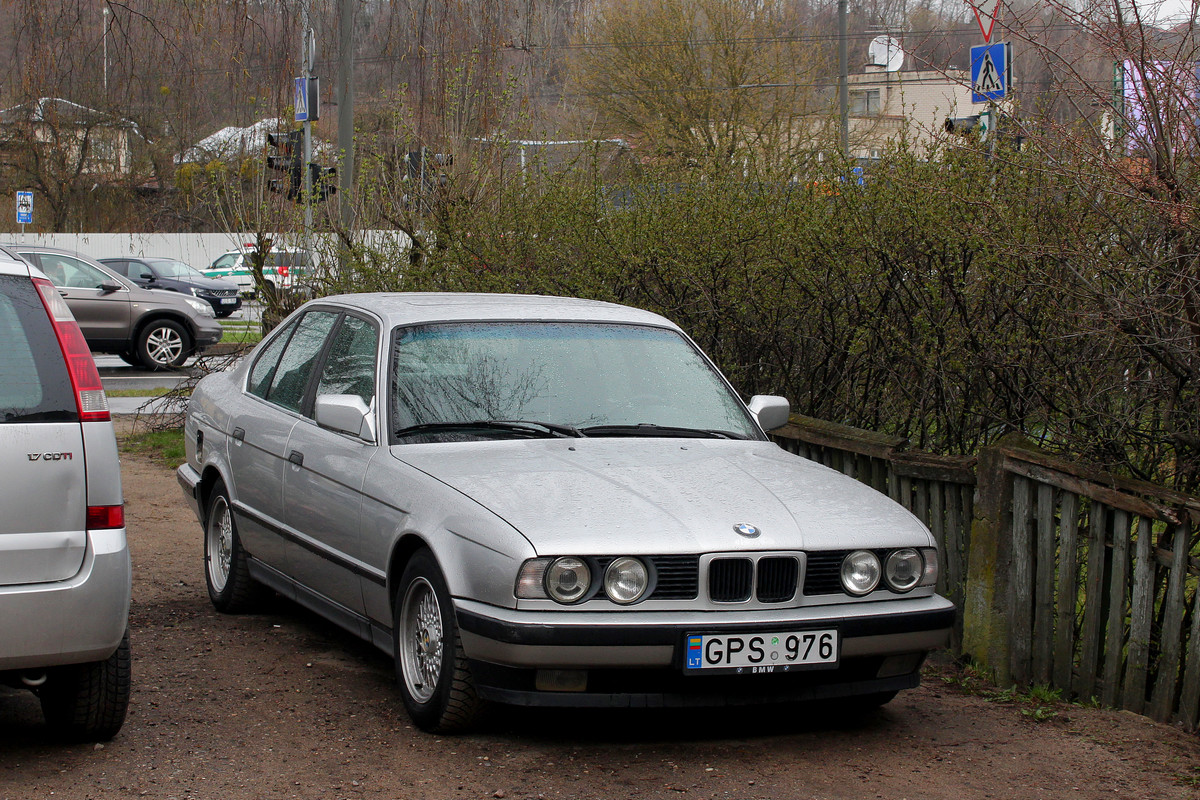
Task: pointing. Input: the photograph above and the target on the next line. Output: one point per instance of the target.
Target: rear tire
(87, 702)
(431, 668)
(226, 572)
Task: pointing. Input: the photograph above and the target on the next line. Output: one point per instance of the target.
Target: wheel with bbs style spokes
(230, 587)
(431, 668)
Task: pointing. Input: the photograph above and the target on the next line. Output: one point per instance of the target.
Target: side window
(121, 267)
(296, 365)
(71, 272)
(350, 365)
(268, 358)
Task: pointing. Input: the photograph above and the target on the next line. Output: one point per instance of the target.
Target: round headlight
(860, 572)
(903, 569)
(625, 580)
(568, 579)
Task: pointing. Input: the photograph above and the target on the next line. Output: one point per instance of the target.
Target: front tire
(226, 572)
(87, 702)
(163, 344)
(431, 668)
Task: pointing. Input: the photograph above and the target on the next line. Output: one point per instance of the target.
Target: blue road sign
(990, 71)
(301, 100)
(24, 208)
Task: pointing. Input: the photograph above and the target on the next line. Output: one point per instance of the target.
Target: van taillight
(85, 378)
(99, 517)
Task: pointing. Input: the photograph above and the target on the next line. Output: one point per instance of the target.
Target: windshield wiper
(522, 426)
(650, 429)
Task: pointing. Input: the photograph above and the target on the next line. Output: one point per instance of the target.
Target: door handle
(239, 434)
(296, 457)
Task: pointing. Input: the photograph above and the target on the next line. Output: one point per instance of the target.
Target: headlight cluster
(569, 579)
(204, 309)
(900, 570)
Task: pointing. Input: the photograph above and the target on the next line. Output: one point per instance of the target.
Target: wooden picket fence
(939, 490)
(1064, 575)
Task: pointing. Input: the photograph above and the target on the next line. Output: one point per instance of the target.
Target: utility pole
(345, 101)
(843, 79)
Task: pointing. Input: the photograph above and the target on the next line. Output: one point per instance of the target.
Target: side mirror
(108, 287)
(146, 276)
(771, 412)
(345, 413)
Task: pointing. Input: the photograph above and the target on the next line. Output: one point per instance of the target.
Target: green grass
(163, 446)
(241, 332)
(157, 391)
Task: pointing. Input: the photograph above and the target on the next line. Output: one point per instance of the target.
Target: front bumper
(78, 620)
(208, 332)
(221, 307)
(637, 659)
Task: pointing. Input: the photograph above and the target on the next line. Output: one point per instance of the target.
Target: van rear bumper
(74, 621)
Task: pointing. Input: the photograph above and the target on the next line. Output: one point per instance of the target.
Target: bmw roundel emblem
(744, 529)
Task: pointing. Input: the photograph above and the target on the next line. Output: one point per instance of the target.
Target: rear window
(34, 384)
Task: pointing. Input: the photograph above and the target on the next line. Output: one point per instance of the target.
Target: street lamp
(104, 36)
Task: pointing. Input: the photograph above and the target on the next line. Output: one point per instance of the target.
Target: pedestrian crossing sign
(990, 72)
(301, 103)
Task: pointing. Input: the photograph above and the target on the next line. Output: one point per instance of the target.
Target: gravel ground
(282, 705)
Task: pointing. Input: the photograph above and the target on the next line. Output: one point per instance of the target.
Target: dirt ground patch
(282, 705)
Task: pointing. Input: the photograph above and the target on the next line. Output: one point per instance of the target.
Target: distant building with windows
(913, 103)
(85, 140)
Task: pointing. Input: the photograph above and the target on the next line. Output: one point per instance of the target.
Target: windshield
(227, 260)
(598, 378)
(170, 268)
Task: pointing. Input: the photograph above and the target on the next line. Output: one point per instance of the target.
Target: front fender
(478, 552)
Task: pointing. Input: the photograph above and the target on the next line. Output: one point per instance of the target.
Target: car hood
(206, 283)
(595, 496)
(161, 297)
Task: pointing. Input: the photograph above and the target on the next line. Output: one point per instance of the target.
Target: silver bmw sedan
(548, 501)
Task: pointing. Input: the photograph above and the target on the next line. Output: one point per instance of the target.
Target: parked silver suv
(64, 562)
(156, 329)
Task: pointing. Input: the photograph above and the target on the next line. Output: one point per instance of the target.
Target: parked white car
(547, 501)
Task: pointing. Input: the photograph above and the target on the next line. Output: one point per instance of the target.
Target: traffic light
(289, 158)
(323, 180)
(442, 162)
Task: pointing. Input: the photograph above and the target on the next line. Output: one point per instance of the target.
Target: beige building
(914, 103)
(85, 140)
